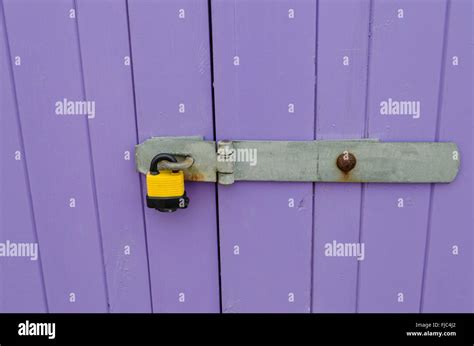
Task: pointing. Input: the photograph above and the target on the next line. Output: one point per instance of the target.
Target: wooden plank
(43, 35)
(341, 87)
(23, 291)
(405, 65)
(448, 267)
(103, 33)
(172, 74)
(264, 55)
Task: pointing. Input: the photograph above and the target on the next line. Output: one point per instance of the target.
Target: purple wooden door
(84, 81)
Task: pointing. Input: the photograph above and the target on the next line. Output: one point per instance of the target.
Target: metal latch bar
(306, 161)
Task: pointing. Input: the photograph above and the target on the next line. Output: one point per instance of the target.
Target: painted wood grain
(341, 88)
(405, 64)
(264, 56)
(172, 77)
(68, 182)
(105, 52)
(21, 281)
(43, 35)
(448, 264)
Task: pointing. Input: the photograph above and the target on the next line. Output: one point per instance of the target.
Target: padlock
(165, 188)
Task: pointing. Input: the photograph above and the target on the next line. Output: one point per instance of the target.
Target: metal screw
(346, 162)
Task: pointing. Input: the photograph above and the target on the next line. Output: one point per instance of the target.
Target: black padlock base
(167, 204)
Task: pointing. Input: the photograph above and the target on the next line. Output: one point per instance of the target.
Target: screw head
(346, 162)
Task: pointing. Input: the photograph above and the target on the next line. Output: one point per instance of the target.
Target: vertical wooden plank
(341, 86)
(405, 65)
(103, 33)
(21, 288)
(264, 57)
(172, 74)
(43, 35)
(448, 267)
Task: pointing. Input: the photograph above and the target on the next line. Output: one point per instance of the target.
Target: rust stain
(196, 177)
(346, 177)
(349, 178)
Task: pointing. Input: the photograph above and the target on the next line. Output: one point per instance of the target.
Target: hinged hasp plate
(304, 161)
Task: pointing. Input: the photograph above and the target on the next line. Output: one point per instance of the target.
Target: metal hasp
(347, 161)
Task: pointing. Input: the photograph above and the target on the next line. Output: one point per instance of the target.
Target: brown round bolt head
(346, 162)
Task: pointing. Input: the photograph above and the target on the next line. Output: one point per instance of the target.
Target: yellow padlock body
(165, 184)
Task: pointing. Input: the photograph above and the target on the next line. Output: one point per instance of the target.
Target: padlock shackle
(160, 157)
